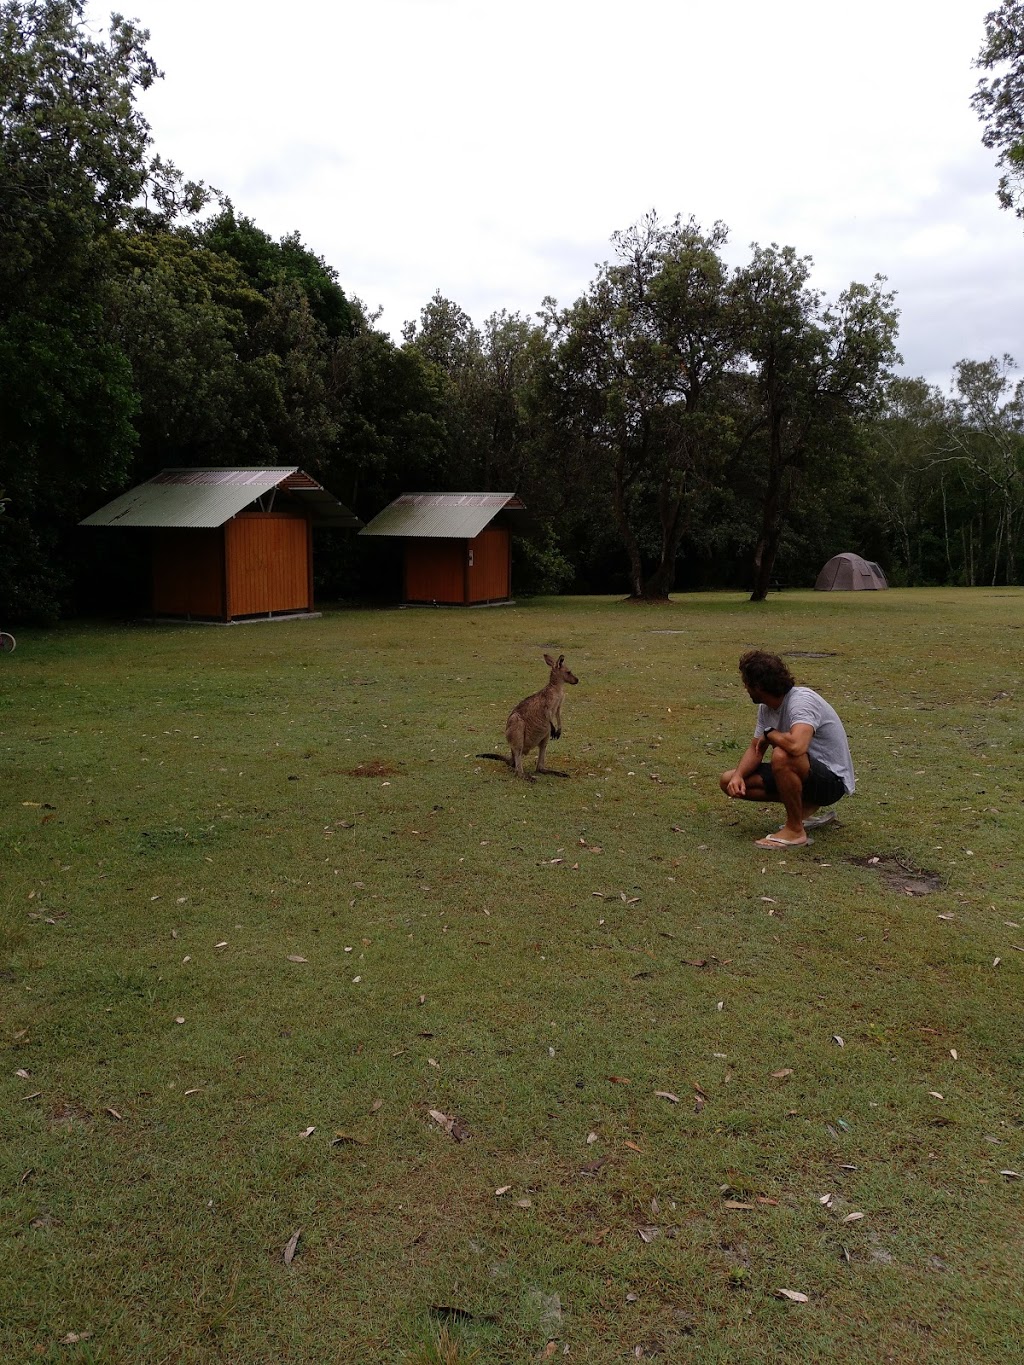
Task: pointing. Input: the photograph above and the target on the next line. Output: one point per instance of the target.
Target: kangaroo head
(559, 672)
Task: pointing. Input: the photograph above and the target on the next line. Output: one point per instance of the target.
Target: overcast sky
(489, 149)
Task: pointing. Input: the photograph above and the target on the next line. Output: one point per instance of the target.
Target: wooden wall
(435, 570)
(439, 570)
(269, 563)
(188, 573)
(490, 574)
(256, 564)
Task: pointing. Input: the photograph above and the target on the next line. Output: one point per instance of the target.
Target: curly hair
(767, 671)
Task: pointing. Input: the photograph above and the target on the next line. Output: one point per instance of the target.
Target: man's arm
(794, 742)
(747, 764)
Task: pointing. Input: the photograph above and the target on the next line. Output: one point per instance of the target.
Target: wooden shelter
(458, 546)
(229, 544)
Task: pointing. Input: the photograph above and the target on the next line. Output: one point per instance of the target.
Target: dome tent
(849, 573)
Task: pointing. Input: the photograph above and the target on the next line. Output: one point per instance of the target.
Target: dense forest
(683, 424)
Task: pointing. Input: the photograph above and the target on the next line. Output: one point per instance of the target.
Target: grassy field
(263, 911)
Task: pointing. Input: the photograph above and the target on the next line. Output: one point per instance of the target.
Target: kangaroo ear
(561, 661)
(549, 661)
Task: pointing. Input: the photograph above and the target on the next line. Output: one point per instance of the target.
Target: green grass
(168, 790)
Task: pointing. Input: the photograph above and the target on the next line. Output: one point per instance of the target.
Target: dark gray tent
(849, 573)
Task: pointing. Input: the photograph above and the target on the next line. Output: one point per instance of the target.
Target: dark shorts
(821, 788)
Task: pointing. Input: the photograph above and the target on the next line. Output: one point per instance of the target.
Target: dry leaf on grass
(620, 1080)
(781, 1075)
(837, 1040)
(737, 1204)
(792, 1295)
(452, 1125)
(23, 1074)
(293, 1242)
(72, 1338)
(649, 1233)
(1011, 1175)
(854, 1217)
(294, 957)
(308, 1132)
(666, 1095)
(502, 1189)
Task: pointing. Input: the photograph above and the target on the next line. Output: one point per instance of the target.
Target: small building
(850, 573)
(229, 544)
(458, 546)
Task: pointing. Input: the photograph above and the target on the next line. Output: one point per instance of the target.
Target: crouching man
(810, 762)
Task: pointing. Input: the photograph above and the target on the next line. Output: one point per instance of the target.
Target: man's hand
(736, 787)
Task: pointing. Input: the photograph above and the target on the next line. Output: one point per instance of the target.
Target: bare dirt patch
(375, 767)
(901, 875)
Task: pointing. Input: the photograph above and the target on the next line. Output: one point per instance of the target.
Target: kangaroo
(536, 720)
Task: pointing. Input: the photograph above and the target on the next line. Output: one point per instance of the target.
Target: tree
(75, 168)
(986, 441)
(814, 368)
(640, 379)
(999, 100)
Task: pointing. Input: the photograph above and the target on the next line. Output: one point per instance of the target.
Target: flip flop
(816, 821)
(773, 841)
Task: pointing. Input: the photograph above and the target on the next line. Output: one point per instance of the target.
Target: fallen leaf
(935, 1095)
(550, 1350)
(23, 1074)
(524, 1203)
(793, 1295)
(1011, 1175)
(375, 1106)
(771, 1203)
(620, 1080)
(649, 1233)
(996, 961)
(737, 1204)
(180, 1019)
(72, 1338)
(837, 1040)
(453, 1126)
(347, 1139)
(592, 1137)
(294, 957)
(289, 1251)
(502, 1189)
(307, 1132)
(195, 1091)
(781, 1075)
(953, 1054)
(854, 1217)
(432, 1061)
(632, 1146)
(114, 1114)
(666, 1095)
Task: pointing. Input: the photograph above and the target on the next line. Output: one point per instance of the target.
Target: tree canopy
(999, 98)
(684, 422)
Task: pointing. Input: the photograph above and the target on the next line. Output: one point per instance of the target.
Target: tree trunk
(767, 546)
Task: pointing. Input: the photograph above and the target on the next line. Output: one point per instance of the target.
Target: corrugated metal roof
(210, 497)
(452, 516)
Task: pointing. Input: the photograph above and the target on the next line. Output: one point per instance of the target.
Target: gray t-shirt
(829, 745)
